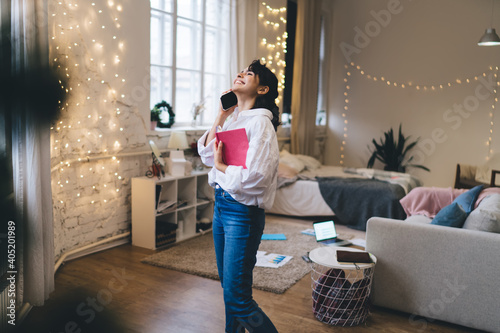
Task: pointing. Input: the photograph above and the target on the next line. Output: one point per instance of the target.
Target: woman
(241, 195)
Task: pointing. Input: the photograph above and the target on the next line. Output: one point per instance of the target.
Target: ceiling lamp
(490, 37)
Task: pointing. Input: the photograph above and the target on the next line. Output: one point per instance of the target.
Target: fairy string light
(90, 124)
(419, 86)
(273, 19)
(436, 87)
(492, 114)
(344, 114)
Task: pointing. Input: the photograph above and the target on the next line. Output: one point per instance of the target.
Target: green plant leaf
(393, 153)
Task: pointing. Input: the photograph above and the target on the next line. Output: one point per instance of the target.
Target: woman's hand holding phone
(228, 100)
(224, 112)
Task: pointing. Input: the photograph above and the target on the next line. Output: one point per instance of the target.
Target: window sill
(189, 129)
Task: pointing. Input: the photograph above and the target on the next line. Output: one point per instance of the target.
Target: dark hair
(266, 78)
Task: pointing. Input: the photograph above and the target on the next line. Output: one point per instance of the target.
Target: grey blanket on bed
(355, 200)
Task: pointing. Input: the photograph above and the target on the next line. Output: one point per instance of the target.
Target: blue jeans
(237, 230)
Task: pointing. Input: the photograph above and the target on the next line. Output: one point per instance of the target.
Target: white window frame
(222, 72)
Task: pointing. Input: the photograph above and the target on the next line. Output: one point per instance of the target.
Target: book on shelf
(169, 206)
(157, 195)
(165, 206)
(166, 232)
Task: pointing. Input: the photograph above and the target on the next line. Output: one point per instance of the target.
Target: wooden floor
(112, 291)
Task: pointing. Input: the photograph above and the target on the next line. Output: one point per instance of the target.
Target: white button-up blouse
(256, 185)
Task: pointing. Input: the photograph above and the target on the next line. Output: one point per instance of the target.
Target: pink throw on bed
(428, 201)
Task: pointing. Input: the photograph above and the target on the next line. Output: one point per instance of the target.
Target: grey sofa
(437, 272)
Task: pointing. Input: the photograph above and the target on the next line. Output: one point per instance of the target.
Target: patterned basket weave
(338, 302)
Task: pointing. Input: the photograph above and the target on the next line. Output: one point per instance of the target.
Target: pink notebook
(235, 146)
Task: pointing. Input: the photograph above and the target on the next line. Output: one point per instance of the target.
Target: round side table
(340, 292)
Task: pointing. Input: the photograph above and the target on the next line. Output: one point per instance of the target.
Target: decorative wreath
(171, 115)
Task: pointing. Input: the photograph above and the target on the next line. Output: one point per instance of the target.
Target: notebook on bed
(327, 235)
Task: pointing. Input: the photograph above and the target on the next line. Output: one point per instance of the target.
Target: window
(189, 56)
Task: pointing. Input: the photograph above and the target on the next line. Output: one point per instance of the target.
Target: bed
(350, 195)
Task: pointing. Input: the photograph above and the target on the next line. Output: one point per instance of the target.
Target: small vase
(197, 164)
(153, 125)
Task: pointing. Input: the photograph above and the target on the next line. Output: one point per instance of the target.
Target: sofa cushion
(452, 215)
(468, 199)
(486, 217)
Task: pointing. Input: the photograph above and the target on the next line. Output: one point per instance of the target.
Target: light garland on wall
(272, 18)
(492, 115)
(419, 87)
(344, 116)
(90, 124)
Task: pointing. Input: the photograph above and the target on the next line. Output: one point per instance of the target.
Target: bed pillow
(467, 200)
(291, 160)
(450, 216)
(486, 217)
(310, 162)
(286, 171)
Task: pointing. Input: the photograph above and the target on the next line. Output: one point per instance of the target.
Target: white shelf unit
(152, 229)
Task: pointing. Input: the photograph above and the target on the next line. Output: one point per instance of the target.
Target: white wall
(427, 43)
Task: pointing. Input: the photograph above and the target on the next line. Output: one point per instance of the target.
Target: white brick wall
(101, 118)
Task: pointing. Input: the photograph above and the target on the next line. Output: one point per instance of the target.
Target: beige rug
(197, 256)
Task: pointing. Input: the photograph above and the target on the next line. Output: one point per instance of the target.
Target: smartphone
(228, 100)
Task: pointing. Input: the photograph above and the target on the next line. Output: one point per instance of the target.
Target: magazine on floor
(272, 260)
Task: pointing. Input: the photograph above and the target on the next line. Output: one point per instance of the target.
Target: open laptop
(327, 235)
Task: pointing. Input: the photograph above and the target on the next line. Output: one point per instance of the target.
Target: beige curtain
(244, 20)
(305, 76)
(31, 159)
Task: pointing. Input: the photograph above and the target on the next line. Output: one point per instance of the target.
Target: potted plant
(155, 117)
(392, 152)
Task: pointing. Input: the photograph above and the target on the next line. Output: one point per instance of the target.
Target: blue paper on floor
(273, 237)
